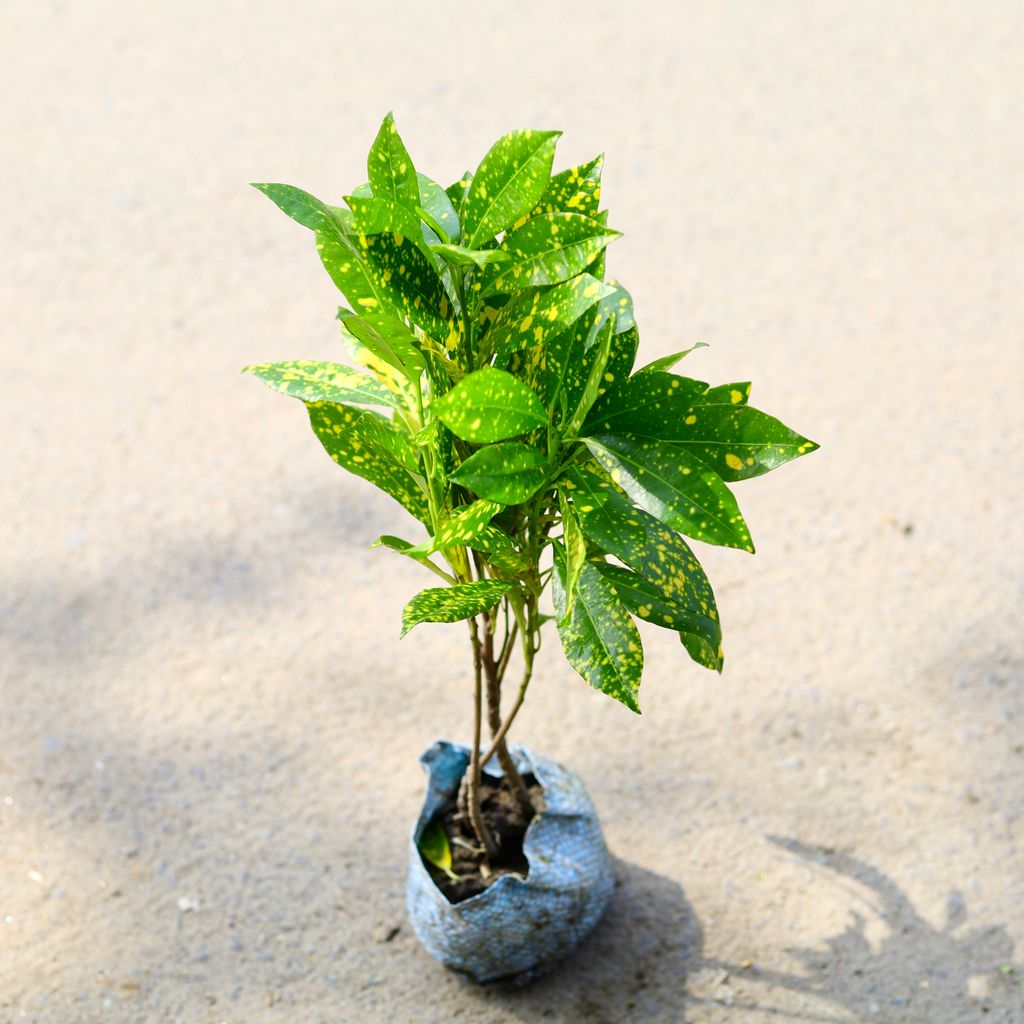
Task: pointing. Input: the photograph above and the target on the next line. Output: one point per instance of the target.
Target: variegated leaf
(356, 446)
(391, 171)
(347, 269)
(450, 604)
(489, 405)
(439, 205)
(510, 180)
(409, 280)
(313, 381)
(727, 394)
(646, 404)
(549, 249)
(508, 473)
(598, 635)
(531, 319)
(665, 363)
(673, 486)
(466, 524)
(701, 636)
(653, 550)
(576, 190)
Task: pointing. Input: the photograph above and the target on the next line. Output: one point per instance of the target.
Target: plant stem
(508, 767)
(498, 738)
(472, 778)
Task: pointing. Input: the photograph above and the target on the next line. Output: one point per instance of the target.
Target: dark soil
(507, 823)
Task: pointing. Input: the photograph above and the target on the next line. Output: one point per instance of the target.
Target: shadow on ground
(645, 963)
(633, 967)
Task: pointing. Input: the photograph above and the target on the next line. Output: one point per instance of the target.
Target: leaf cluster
(498, 403)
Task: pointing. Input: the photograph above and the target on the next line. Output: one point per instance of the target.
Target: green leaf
(509, 473)
(391, 171)
(595, 378)
(460, 256)
(727, 394)
(433, 845)
(450, 604)
(644, 404)
(313, 381)
(439, 205)
(302, 207)
(388, 339)
(373, 216)
(352, 439)
(456, 191)
(576, 190)
(489, 405)
(673, 486)
(655, 552)
(510, 180)
(531, 319)
(348, 271)
(665, 363)
(466, 524)
(575, 549)
(620, 359)
(598, 636)
(733, 439)
(501, 552)
(406, 280)
(551, 248)
(700, 634)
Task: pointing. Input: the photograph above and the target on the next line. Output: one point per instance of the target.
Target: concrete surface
(209, 731)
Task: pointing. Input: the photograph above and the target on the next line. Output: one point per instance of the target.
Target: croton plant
(498, 402)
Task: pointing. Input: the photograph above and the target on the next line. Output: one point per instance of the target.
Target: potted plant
(499, 405)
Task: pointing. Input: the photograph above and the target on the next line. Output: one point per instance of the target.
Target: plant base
(518, 926)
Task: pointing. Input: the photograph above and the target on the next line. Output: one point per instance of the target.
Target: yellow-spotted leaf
(598, 635)
(727, 394)
(437, 203)
(450, 604)
(373, 216)
(489, 405)
(312, 381)
(466, 524)
(508, 473)
(701, 636)
(648, 403)
(575, 549)
(508, 183)
(665, 363)
(673, 486)
(717, 427)
(408, 279)
(460, 256)
(549, 249)
(392, 175)
(352, 439)
(576, 190)
(501, 552)
(654, 551)
(347, 269)
(456, 191)
(536, 316)
(302, 207)
(387, 338)
(598, 362)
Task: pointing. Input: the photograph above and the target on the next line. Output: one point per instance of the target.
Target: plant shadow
(645, 963)
(633, 966)
(915, 974)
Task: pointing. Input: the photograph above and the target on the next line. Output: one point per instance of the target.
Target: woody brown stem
(500, 748)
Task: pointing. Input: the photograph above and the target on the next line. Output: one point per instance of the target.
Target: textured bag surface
(517, 927)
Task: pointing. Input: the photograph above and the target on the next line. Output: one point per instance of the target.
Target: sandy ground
(209, 733)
